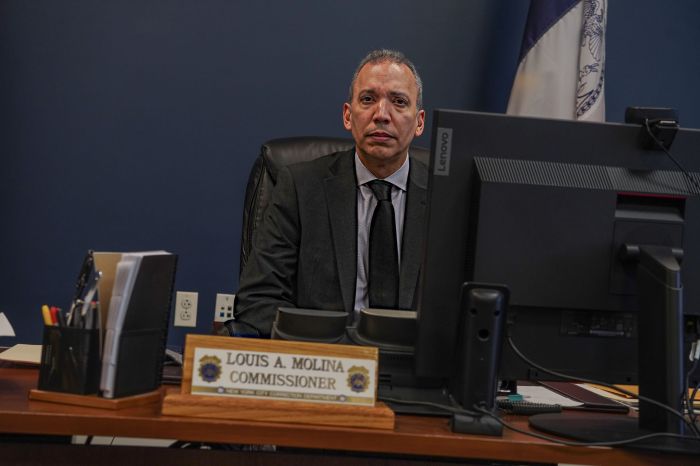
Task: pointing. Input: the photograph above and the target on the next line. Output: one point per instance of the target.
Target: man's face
(383, 116)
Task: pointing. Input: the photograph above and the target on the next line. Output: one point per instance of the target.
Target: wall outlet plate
(185, 309)
(223, 310)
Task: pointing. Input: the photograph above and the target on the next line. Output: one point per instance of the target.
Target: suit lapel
(341, 195)
(414, 226)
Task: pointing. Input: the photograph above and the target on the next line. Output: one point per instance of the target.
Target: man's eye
(366, 99)
(400, 102)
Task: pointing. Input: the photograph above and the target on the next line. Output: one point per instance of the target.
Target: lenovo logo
(443, 151)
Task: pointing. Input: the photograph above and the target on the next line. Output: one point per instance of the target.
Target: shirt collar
(399, 178)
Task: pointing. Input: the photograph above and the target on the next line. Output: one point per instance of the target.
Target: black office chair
(274, 155)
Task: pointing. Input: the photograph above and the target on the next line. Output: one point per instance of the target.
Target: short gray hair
(391, 56)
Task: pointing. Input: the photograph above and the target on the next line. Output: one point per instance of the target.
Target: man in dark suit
(316, 246)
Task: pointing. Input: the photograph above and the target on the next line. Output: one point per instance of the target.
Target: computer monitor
(545, 207)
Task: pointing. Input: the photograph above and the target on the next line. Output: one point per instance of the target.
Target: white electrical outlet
(185, 309)
(224, 307)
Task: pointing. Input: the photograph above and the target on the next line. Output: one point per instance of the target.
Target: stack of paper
(22, 354)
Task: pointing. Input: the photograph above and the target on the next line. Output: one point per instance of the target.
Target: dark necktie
(383, 255)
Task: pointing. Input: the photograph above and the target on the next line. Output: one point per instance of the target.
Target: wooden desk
(414, 436)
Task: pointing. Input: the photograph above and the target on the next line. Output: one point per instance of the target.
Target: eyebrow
(400, 94)
(391, 93)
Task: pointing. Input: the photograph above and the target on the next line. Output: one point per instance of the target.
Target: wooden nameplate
(94, 401)
(207, 390)
(295, 412)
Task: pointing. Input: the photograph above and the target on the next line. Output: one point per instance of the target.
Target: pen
(59, 316)
(95, 314)
(90, 294)
(46, 313)
(89, 321)
(98, 325)
(76, 317)
(53, 310)
(81, 283)
(73, 313)
(84, 275)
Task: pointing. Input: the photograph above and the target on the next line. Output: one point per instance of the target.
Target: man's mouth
(380, 135)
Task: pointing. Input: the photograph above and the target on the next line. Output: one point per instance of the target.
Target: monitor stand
(483, 309)
(660, 336)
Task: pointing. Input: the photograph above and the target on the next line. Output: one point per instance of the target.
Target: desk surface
(413, 435)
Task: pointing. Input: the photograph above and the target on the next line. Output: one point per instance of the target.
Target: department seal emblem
(210, 368)
(358, 379)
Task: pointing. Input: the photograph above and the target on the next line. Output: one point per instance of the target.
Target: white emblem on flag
(592, 57)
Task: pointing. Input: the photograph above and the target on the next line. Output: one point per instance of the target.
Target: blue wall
(132, 125)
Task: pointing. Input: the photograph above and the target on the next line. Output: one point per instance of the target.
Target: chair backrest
(276, 154)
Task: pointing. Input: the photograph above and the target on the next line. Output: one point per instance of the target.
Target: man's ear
(346, 116)
(420, 127)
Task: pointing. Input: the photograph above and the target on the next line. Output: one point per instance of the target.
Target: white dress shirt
(366, 203)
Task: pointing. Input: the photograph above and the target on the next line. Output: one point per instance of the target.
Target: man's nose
(381, 112)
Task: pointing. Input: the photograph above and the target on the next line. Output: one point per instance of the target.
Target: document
(609, 394)
(22, 354)
(539, 394)
(106, 263)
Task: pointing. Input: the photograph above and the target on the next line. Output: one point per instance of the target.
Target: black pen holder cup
(70, 360)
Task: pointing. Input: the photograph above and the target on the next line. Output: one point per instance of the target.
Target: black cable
(430, 404)
(673, 159)
(604, 384)
(478, 410)
(571, 443)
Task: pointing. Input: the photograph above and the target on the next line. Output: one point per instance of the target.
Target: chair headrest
(281, 152)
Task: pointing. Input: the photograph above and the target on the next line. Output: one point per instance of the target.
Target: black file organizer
(70, 360)
(145, 330)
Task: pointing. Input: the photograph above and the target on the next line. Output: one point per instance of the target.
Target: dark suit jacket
(305, 251)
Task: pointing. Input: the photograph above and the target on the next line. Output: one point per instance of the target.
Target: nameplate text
(282, 370)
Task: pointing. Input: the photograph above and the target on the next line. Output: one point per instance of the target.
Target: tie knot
(381, 189)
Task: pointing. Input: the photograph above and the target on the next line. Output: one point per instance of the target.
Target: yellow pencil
(47, 315)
